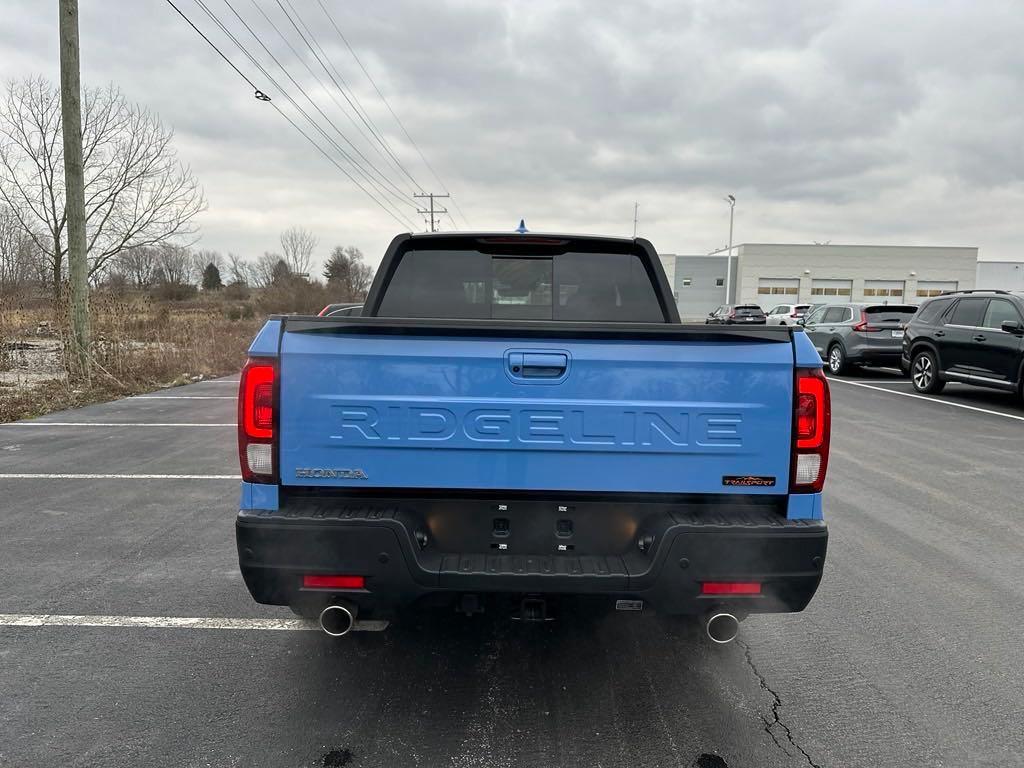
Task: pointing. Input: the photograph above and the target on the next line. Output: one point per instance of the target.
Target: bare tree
(297, 246)
(137, 193)
(17, 252)
(173, 265)
(138, 265)
(263, 269)
(239, 270)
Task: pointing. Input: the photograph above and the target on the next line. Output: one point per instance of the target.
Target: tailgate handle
(538, 365)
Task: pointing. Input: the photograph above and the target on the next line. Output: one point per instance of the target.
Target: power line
(257, 92)
(276, 108)
(355, 165)
(380, 187)
(392, 111)
(338, 104)
(346, 91)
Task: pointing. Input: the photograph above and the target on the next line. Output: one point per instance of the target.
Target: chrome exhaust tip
(722, 628)
(337, 620)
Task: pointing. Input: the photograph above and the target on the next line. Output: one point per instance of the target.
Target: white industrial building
(776, 273)
(1004, 275)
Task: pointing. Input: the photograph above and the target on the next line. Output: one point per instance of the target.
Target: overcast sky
(847, 121)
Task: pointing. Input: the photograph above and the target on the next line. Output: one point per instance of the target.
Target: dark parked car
(858, 334)
(737, 314)
(333, 310)
(973, 337)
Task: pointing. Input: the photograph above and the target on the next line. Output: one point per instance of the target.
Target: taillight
(257, 420)
(730, 588)
(317, 581)
(812, 423)
(863, 326)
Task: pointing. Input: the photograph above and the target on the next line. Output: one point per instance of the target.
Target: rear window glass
(589, 287)
(892, 315)
(929, 313)
(748, 311)
(968, 312)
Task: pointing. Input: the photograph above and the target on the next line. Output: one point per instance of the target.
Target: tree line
(141, 206)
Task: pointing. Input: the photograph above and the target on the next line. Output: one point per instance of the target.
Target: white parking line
(931, 399)
(153, 622)
(181, 397)
(85, 476)
(112, 424)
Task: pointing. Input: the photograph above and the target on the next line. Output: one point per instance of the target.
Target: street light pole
(731, 200)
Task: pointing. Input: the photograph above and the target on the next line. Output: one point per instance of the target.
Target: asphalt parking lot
(909, 655)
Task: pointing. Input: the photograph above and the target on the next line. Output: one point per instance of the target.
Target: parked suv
(736, 314)
(858, 334)
(973, 337)
(786, 314)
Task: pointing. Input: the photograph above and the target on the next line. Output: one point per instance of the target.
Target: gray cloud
(845, 120)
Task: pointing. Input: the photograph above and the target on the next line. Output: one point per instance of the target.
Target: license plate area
(897, 334)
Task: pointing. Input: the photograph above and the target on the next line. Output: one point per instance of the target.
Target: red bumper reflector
(730, 588)
(312, 581)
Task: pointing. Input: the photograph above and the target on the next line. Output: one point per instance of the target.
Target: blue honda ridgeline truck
(516, 418)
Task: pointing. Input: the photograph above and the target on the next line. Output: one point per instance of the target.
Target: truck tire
(924, 374)
(836, 361)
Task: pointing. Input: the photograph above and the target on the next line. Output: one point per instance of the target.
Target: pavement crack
(776, 721)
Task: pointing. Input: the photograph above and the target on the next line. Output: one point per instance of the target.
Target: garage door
(831, 287)
(927, 288)
(883, 289)
(778, 286)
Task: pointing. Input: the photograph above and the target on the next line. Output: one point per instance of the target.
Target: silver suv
(786, 314)
(852, 334)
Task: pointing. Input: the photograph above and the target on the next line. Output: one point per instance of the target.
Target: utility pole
(731, 200)
(74, 182)
(636, 217)
(431, 211)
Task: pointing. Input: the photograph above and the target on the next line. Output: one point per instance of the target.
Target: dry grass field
(140, 345)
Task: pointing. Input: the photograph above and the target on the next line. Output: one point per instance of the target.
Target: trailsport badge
(748, 480)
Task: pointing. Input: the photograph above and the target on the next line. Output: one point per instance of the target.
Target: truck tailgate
(368, 410)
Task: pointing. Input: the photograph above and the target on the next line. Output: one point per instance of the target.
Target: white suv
(786, 314)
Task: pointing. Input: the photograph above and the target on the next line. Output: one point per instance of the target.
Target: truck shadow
(614, 689)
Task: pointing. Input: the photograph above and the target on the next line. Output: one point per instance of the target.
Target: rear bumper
(684, 548)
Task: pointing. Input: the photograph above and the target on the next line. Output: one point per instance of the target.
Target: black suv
(973, 337)
(737, 314)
